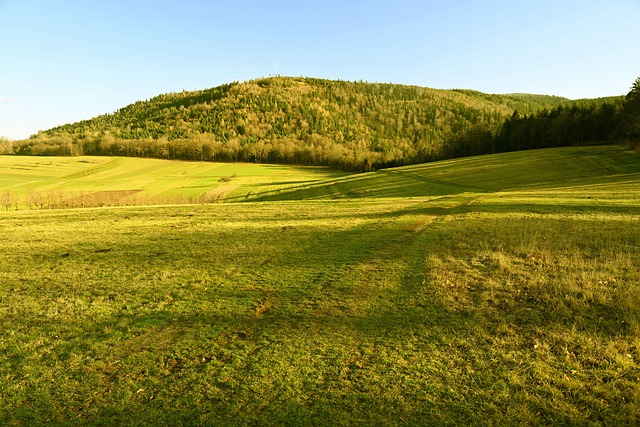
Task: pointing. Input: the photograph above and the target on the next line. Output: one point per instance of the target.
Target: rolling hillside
(63, 182)
(69, 182)
(539, 169)
(347, 125)
(283, 106)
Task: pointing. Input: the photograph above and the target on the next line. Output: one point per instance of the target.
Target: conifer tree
(631, 112)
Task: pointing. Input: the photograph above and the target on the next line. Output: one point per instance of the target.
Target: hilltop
(347, 125)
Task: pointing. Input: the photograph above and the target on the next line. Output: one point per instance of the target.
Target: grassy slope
(508, 307)
(506, 171)
(152, 181)
(160, 181)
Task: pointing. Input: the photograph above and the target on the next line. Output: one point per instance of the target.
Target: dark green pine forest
(354, 126)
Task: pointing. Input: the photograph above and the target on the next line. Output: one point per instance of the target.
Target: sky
(68, 60)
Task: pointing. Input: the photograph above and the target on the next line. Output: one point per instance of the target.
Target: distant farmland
(70, 182)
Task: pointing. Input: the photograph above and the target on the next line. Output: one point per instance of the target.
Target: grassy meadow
(494, 290)
(72, 182)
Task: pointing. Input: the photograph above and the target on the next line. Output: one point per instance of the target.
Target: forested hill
(350, 125)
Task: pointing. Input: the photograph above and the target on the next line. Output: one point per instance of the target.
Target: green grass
(491, 307)
(533, 169)
(63, 181)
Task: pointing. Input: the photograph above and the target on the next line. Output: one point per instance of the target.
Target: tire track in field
(373, 261)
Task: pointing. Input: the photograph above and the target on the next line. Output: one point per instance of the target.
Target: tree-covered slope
(352, 125)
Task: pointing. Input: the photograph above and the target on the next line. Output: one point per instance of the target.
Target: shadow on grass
(540, 208)
(311, 326)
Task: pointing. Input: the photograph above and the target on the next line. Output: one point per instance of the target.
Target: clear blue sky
(67, 60)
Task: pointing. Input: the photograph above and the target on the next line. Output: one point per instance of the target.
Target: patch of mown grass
(474, 310)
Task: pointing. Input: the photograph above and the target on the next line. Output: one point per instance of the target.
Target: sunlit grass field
(503, 298)
(535, 169)
(60, 182)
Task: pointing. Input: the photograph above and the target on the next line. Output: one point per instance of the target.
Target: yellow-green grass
(547, 168)
(129, 181)
(514, 307)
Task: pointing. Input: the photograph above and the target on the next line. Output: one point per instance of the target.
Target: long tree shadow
(308, 325)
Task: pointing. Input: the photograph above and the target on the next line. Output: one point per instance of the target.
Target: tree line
(599, 121)
(346, 125)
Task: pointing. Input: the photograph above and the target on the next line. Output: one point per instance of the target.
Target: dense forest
(347, 125)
